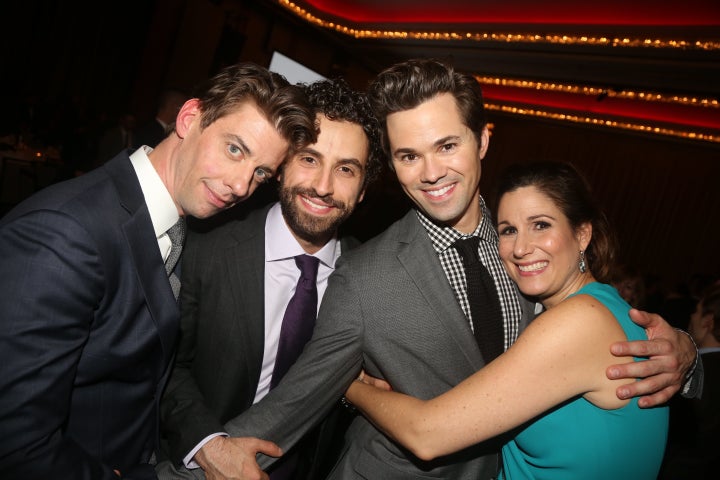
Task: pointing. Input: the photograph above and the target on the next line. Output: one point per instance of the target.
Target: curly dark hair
(283, 104)
(337, 101)
(406, 85)
(570, 192)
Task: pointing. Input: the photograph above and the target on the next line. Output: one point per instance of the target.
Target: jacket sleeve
(693, 386)
(50, 281)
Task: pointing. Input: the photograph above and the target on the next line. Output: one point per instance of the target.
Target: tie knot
(468, 248)
(308, 266)
(176, 233)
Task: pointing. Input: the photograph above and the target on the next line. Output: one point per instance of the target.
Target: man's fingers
(665, 367)
(641, 348)
(252, 445)
(225, 458)
(268, 448)
(639, 388)
(668, 356)
(655, 390)
(381, 384)
(630, 370)
(644, 319)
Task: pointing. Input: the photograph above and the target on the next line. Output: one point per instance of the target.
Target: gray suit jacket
(390, 309)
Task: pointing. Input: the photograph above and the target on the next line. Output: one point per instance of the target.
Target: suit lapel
(140, 237)
(414, 251)
(529, 308)
(347, 243)
(245, 273)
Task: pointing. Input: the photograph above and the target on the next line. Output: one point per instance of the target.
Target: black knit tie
(484, 300)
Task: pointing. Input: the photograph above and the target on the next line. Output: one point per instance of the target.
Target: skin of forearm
(396, 415)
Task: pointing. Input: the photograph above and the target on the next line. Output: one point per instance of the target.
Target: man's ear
(189, 112)
(484, 142)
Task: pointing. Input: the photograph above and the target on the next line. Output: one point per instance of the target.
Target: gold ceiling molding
(598, 91)
(498, 37)
(687, 134)
(623, 125)
(634, 126)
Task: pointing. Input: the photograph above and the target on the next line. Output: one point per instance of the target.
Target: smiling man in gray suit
(397, 305)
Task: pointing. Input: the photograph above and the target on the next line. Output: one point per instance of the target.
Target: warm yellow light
(595, 91)
(502, 37)
(604, 122)
(554, 39)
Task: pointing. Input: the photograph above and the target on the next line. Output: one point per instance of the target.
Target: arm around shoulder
(502, 395)
(671, 362)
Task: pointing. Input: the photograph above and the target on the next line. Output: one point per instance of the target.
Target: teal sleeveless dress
(577, 440)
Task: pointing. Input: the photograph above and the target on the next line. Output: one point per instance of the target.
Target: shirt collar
(280, 244)
(162, 209)
(442, 237)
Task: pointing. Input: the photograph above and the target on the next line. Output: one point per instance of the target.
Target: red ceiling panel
(677, 114)
(561, 12)
(681, 21)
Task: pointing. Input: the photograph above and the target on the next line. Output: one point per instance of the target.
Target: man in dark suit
(397, 305)
(88, 311)
(239, 278)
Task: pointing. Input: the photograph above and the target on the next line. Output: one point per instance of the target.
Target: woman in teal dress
(549, 388)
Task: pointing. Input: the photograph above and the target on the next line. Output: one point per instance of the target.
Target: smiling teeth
(315, 204)
(437, 193)
(533, 268)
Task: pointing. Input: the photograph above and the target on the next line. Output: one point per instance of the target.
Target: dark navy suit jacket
(88, 325)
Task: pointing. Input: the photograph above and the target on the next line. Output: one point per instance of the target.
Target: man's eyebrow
(444, 140)
(404, 150)
(352, 161)
(237, 139)
(437, 143)
(309, 151)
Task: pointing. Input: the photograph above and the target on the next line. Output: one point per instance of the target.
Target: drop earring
(581, 264)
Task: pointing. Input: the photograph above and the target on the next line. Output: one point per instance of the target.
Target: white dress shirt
(162, 209)
(281, 277)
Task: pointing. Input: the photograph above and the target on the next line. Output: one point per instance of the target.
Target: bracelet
(346, 403)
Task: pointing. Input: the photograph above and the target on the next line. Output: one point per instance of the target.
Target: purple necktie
(299, 318)
(484, 301)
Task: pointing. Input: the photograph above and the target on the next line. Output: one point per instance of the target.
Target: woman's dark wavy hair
(570, 192)
(406, 85)
(284, 105)
(337, 101)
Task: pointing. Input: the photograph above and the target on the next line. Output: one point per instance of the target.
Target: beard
(311, 228)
